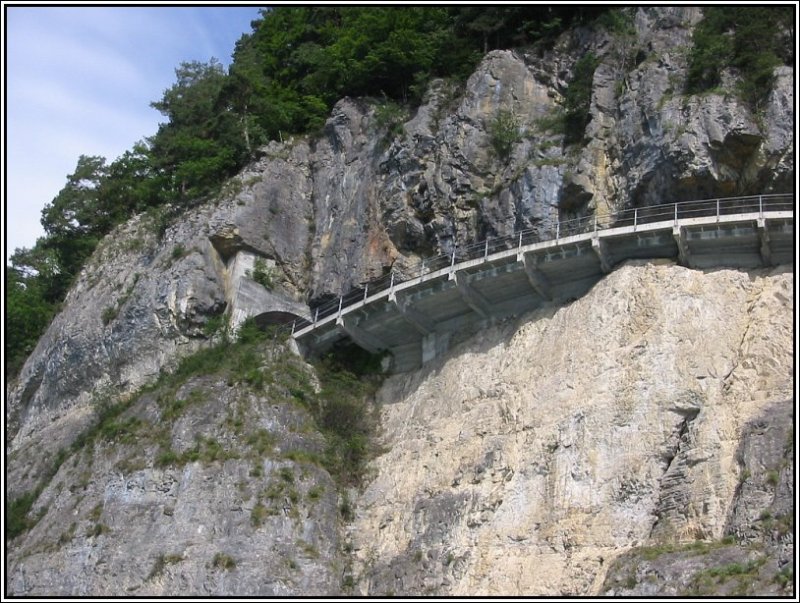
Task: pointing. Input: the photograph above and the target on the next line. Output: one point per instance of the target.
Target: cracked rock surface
(529, 458)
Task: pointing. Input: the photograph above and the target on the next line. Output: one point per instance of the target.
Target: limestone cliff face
(523, 462)
(757, 555)
(197, 489)
(374, 193)
(528, 459)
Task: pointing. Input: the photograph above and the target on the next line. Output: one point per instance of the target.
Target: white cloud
(92, 63)
(79, 80)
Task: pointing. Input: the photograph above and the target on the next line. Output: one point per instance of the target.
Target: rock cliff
(199, 486)
(531, 457)
(650, 413)
(557, 442)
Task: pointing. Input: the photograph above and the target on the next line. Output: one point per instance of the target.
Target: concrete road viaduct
(417, 316)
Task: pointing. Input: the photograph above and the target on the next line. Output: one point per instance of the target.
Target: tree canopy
(750, 40)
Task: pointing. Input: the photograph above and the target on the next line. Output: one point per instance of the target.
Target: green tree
(132, 184)
(577, 98)
(504, 133)
(283, 73)
(76, 209)
(490, 27)
(385, 50)
(75, 220)
(27, 315)
(40, 265)
(487, 23)
(242, 93)
(195, 150)
(751, 41)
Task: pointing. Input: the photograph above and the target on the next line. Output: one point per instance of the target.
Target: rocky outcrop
(756, 556)
(200, 488)
(647, 143)
(657, 421)
(527, 460)
(374, 194)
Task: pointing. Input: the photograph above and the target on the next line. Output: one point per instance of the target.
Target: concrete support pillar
(537, 280)
(362, 338)
(428, 348)
(765, 249)
(601, 250)
(473, 299)
(684, 257)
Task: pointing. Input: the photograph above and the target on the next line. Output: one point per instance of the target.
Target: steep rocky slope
(329, 213)
(756, 556)
(208, 484)
(527, 460)
(376, 191)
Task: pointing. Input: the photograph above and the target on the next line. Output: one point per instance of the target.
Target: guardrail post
(520, 239)
(558, 228)
(366, 288)
(316, 316)
(453, 257)
(422, 269)
(294, 322)
(676, 213)
(486, 250)
(760, 207)
(340, 306)
(391, 284)
(595, 221)
(635, 216)
(717, 210)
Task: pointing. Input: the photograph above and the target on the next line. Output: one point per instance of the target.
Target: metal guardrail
(755, 204)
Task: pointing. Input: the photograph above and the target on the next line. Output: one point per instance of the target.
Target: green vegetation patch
(737, 576)
(161, 562)
(389, 117)
(259, 514)
(18, 519)
(785, 577)
(205, 450)
(750, 40)
(697, 547)
(223, 561)
(504, 133)
(577, 99)
(262, 274)
(618, 21)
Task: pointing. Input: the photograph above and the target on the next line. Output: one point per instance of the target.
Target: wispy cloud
(79, 80)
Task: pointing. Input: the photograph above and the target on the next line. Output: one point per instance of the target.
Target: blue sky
(79, 80)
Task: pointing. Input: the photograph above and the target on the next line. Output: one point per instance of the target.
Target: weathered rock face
(757, 555)
(237, 516)
(525, 461)
(374, 194)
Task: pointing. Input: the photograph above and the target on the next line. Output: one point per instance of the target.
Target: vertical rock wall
(525, 461)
